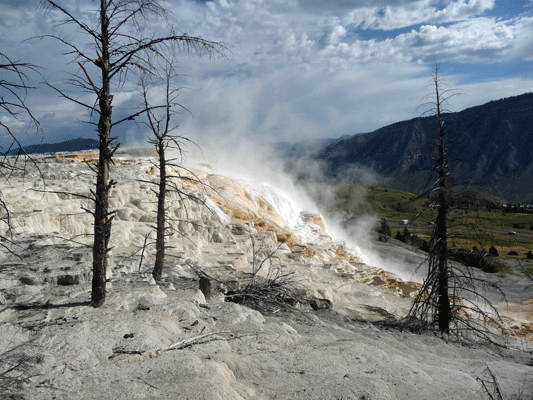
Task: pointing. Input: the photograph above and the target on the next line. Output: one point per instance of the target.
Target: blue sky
(297, 69)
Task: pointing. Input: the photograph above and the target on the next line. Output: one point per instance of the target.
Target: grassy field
(507, 232)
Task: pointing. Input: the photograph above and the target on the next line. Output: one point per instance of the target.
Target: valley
(484, 224)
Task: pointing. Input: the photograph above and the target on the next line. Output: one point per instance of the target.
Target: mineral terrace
(343, 340)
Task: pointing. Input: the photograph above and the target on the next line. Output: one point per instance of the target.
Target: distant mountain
(494, 149)
(68, 146)
(304, 148)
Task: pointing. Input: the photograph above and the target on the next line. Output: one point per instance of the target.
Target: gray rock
(164, 341)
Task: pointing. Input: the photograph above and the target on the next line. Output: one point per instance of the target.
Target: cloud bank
(299, 69)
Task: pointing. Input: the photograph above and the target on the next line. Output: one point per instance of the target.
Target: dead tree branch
(113, 55)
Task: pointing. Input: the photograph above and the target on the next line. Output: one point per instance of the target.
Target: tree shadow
(49, 305)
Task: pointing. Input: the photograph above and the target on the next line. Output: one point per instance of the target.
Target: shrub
(413, 240)
(493, 251)
(476, 259)
(529, 255)
(268, 295)
(403, 236)
(384, 230)
(513, 253)
(424, 245)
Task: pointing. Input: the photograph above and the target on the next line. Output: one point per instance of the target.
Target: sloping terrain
(493, 148)
(342, 341)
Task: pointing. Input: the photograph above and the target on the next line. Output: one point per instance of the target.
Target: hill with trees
(493, 150)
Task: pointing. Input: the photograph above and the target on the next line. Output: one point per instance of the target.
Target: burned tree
(164, 141)
(14, 88)
(170, 153)
(439, 251)
(14, 85)
(451, 298)
(113, 55)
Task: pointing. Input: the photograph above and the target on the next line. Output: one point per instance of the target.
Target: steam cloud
(259, 165)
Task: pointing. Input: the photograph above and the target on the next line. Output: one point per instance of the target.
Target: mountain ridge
(72, 145)
(494, 149)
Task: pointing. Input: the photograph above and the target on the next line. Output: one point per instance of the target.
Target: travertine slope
(166, 341)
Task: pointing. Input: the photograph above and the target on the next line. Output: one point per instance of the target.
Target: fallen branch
(191, 341)
(145, 354)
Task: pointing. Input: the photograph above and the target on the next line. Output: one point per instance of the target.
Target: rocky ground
(343, 340)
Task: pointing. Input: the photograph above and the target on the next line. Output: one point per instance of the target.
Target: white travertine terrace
(118, 351)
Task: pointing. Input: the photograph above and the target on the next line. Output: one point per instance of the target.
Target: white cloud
(401, 15)
(523, 40)
(294, 105)
(299, 68)
(332, 35)
(262, 37)
(479, 40)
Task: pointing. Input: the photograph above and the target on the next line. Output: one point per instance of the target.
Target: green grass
(395, 204)
(399, 205)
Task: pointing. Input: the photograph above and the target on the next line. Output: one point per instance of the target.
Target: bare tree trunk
(118, 53)
(433, 308)
(161, 230)
(102, 221)
(441, 227)
(432, 303)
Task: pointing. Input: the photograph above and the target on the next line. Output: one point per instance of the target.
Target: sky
(293, 69)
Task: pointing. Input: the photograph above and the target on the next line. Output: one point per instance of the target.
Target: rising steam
(259, 167)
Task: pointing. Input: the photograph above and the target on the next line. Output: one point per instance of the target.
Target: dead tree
(170, 154)
(115, 52)
(440, 247)
(14, 89)
(449, 294)
(14, 85)
(433, 302)
(164, 141)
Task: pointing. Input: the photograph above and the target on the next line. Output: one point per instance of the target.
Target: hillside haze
(493, 149)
